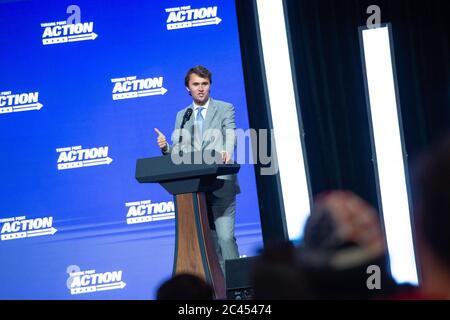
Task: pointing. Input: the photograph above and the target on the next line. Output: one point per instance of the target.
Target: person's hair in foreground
(185, 286)
(431, 191)
(342, 239)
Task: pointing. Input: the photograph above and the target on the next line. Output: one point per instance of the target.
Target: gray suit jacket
(218, 134)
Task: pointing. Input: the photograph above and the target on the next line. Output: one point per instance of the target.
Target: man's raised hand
(161, 140)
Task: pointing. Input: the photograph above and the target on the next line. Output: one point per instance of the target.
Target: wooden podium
(195, 252)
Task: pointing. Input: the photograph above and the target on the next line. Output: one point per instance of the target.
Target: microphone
(186, 117)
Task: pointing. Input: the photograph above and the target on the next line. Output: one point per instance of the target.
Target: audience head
(276, 275)
(185, 286)
(431, 190)
(342, 239)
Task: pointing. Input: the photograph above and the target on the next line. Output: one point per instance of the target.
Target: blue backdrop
(78, 104)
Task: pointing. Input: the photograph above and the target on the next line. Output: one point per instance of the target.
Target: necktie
(199, 121)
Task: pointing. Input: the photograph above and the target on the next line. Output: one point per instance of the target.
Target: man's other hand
(226, 157)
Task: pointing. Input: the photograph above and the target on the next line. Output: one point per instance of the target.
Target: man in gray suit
(213, 125)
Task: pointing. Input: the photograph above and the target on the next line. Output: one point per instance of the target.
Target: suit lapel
(211, 112)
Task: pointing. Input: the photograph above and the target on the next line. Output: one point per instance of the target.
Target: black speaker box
(238, 276)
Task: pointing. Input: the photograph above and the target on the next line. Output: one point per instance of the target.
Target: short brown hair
(201, 71)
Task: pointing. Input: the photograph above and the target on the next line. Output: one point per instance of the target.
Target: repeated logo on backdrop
(21, 227)
(79, 157)
(80, 282)
(19, 102)
(131, 87)
(61, 32)
(146, 211)
(187, 17)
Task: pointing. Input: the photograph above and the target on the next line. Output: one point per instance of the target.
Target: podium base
(195, 252)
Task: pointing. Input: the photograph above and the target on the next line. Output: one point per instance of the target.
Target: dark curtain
(328, 71)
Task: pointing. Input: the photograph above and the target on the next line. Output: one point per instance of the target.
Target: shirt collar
(204, 106)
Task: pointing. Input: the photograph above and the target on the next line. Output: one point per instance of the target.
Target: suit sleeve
(229, 127)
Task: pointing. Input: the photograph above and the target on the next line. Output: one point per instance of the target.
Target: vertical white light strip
(389, 157)
(284, 115)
